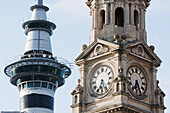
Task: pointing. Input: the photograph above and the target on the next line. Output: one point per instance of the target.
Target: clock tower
(118, 70)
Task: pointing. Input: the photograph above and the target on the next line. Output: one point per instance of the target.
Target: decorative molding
(139, 50)
(99, 49)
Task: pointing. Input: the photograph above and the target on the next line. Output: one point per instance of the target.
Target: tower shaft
(38, 74)
(114, 17)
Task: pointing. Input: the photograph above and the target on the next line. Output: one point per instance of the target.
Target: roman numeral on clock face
(95, 87)
(109, 73)
(136, 81)
(102, 69)
(101, 80)
(94, 82)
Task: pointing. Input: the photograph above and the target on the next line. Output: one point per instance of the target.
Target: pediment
(97, 48)
(142, 50)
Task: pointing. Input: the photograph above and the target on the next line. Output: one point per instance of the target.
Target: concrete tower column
(38, 74)
(36, 100)
(39, 2)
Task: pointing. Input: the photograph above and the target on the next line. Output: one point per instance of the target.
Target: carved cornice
(76, 105)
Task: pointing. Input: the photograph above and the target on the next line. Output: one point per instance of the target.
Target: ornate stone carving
(138, 50)
(98, 50)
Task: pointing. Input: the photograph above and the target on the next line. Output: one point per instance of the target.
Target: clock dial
(101, 80)
(136, 82)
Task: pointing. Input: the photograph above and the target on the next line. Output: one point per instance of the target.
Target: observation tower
(38, 73)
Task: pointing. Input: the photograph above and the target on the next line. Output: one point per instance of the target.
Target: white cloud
(73, 9)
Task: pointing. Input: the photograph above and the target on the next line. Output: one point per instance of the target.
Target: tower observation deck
(38, 73)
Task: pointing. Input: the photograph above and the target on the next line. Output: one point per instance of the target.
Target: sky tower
(38, 74)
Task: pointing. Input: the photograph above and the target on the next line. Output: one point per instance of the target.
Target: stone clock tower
(118, 70)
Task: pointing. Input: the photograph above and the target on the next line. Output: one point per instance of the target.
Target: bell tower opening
(102, 19)
(136, 19)
(119, 17)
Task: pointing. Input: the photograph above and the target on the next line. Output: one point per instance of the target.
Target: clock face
(137, 83)
(101, 81)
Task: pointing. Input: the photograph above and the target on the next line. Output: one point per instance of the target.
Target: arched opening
(124, 87)
(136, 19)
(75, 99)
(117, 87)
(102, 19)
(119, 17)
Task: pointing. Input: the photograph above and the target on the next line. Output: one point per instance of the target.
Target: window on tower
(102, 19)
(76, 99)
(117, 87)
(136, 19)
(119, 17)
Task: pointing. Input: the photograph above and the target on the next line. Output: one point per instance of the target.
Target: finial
(39, 2)
(84, 47)
(79, 81)
(152, 47)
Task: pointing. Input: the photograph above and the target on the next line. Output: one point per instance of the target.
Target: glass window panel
(30, 84)
(56, 83)
(44, 85)
(49, 86)
(24, 85)
(36, 84)
(18, 81)
(54, 88)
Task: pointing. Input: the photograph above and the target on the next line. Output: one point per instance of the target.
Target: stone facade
(118, 43)
(106, 13)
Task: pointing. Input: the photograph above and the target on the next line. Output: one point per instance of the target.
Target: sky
(73, 21)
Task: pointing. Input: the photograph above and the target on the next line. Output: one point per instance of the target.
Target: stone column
(113, 13)
(153, 84)
(126, 19)
(139, 16)
(82, 70)
(92, 15)
(132, 14)
(142, 14)
(107, 13)
(95, 16)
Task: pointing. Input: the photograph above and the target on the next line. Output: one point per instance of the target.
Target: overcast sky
(73, 27)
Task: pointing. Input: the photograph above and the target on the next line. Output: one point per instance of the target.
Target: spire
(38, 30)
(39, 2)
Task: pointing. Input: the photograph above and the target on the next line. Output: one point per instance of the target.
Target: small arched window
(136, 19)
(117, 87)
(75, 99)
(124, 87)
(119, 17)
(102, 19)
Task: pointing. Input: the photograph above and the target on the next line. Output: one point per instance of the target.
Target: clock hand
(102, 84)
(137, 87)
